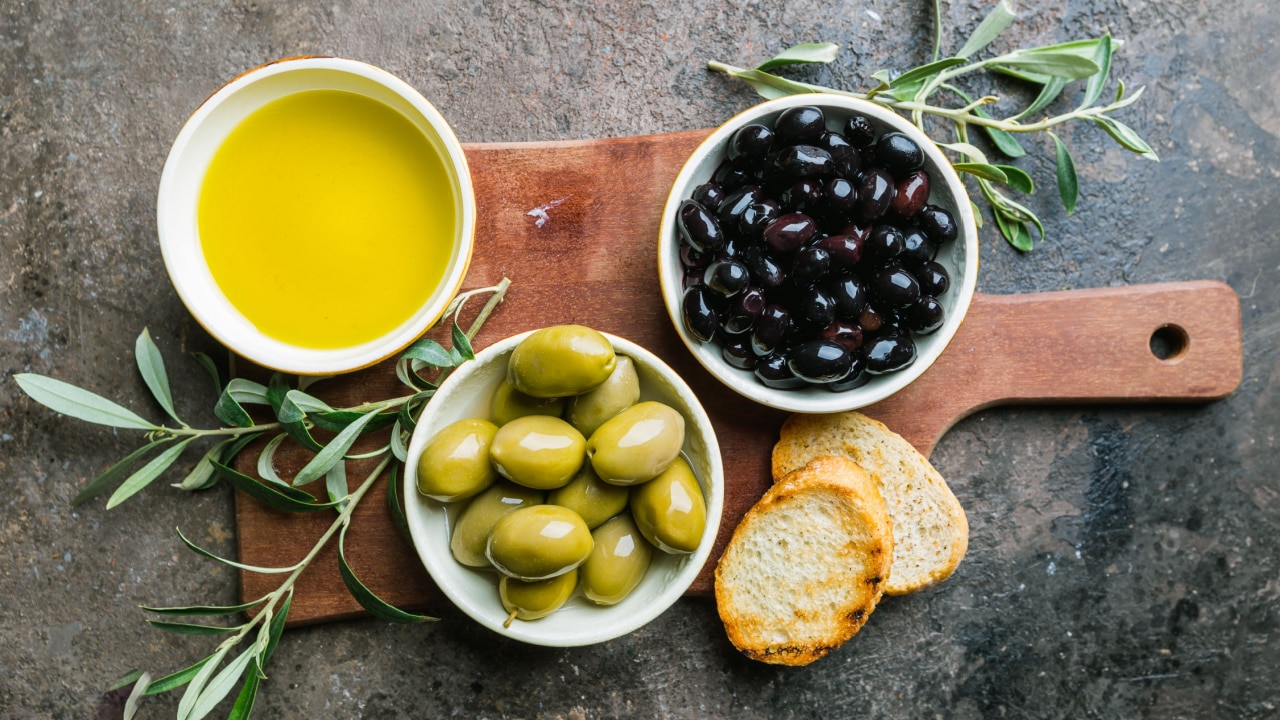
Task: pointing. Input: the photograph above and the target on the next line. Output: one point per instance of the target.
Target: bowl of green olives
(563, 488)
(817, 253)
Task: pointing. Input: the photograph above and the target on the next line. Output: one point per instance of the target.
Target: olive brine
(809, 256)
(571, 483)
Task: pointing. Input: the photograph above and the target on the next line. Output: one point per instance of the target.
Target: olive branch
(1050, 67)
(421, 368)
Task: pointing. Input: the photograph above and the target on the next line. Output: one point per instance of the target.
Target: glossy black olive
(848, 163)
(734, 249)
(871, 319)
(809, 264)
(802, 196)
(859, 131)
(743, 310)
(770, 328)
(789, 232)
(845, 250)
(899, 154)
(699, 227)
(774, 371)
(693, 259)
(839, 199)
(916, 248)
(875, 193)
(727, 277)
(733, 174)
(849, 295)
(910, 194)
(757, 217)
(797, 163)
(752, 141)
(895, 286)
(844, 332)
(737, 352)
(689, 279)
(934, 278)
(815, 307)
(732, 207)
(938, 224)
(800, 125)
(926, 315)
(820, 361)
(701, 316)
(709, 195)
(883, 244)
(889, 352)
(857, 376)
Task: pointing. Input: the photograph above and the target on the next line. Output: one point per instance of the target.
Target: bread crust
(931, 531)
(807, 565)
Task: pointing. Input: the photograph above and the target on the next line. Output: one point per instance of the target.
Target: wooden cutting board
(574, 225)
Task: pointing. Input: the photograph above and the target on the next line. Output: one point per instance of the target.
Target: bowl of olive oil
(316, 215)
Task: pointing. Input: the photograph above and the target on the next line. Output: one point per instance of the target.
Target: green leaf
(1051, 63)
(338, 420)
(114, 473)
(972, 152)
(333, 452)
(80, 404)
(462, 343)
(148, 473)
(1017, 178)
(126, 680)
(399, 448)
(293, 419)
(191, 629)
(1004, 142)
(247, 392)
(1125, 135)
(177, 679)
(408, 417)
(151, 366)
(280, 497)
(211, 367)
(277, 388)
(986, 172)
(771, 86)
(393, 507)
(335, 484)
(196, 610)
(248, 693)
(266, 466)
(1048, 93)
(277, 627)
(429, 352)
(1014, 231)
(135, 697)
(201, 476)
(1068, 181)
(801, 54)
(1102, 57)
(991, 26)
(221, 685)
(251, 568)
(239, 445)
(924, 72)
(376, 606)
(196, 686)
(238, 393)
(308, 403)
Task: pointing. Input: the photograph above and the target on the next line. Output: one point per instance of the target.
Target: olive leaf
(191, 610)
(924, 72)
(148, 473)
(196, 686)
(335, 484)
(135, 697)
(240, 566)
(100, 484)
(1050, 63)
(376, 606)
(221, 684)
(800, 54)
(126, 680)
(393, 507)
(177, 679)
(238, 393)
(243, 707)
(982, 170)
(266, 464)
(1102, 57)
(398, 447)
(80, 404)
(1017, 178)
(461, 345)
(201, 476)
(407, 417)
(293, 418)
(1125, 135)
(151, 366)
(991, 26)
(1048, 93)
(333, 452)
(1068, 181)
(1004, 142)
(280, 497)
(211, 367)
(191, 629)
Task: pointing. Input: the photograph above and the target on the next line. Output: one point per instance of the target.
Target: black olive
(701, 316)
(815, 307)
(756, 217)
(890, 352)
(849, 295)
(899, 154)
(732, 174)
(732, 207)
(820, 361)
(751, 141)
(845, 250)
(800, 125)
(743, 310)
(809, 265)
(848, 163)
(699, 227)
(737, 352)
(727, 277)
(797, 163)
(895, 286)
(734, 249)
(884, 243)
(839, 199)
(857, 376)
(709, 195)
(770, 328)
(934, 278)
(875, 193)
(774, 371)
(693, 259)
(910, 194)
(802, 196)
(859, 131)
(916, 249)
(789, 232)
(844, 332)
(766, 272)
(938, 224)
(926, 315)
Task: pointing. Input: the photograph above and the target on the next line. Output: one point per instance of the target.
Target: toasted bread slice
(930, 531)
(807, 564)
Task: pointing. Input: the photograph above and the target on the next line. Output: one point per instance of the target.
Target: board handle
(1171, 342)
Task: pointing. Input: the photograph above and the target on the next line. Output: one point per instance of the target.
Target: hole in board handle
(1169, 344)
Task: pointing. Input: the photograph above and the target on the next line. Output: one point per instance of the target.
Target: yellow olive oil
(326, 218)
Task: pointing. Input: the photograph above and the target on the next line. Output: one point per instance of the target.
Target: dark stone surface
(1124, 562)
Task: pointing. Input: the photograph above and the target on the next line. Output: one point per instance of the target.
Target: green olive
(537, 599)
(617, 563)
(590, 497)
(509, 403)
(476, 521)
(561, 361)
(455, 464)
(538, 451)
(539, 542)
(636, 444)
(589, 410)
(669, 509)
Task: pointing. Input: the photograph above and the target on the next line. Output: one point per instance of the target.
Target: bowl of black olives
(564, 488)
(817, 253)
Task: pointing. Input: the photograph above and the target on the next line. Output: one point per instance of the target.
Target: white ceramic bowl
(184, 172)
(960, 257)
(467, 394)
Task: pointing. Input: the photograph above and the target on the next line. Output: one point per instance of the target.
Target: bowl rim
(251, 343)
(816, 400)
(416, 512)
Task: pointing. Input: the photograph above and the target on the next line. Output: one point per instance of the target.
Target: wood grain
(593, 261)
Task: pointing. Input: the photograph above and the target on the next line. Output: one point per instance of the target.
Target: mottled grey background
(1124, 560)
